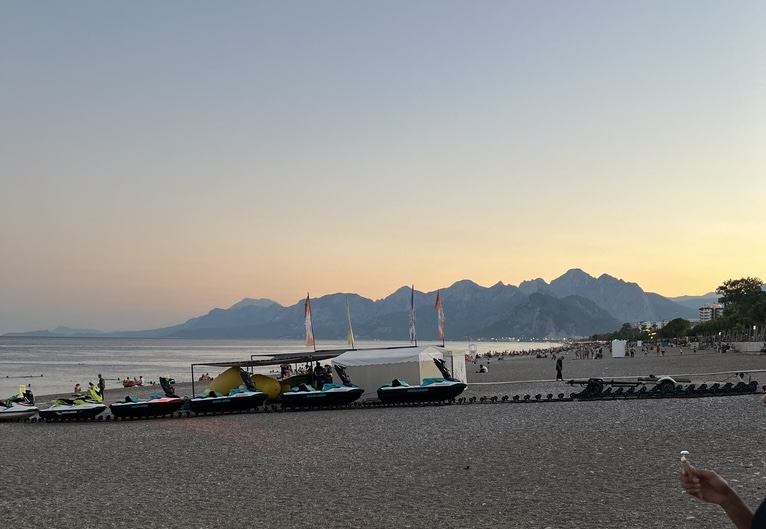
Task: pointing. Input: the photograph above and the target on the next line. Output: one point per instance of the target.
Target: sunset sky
(160, 159)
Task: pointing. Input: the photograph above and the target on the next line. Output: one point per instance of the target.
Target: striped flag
(350, 336)
(440, 319)
(413, 335)
(307, 322)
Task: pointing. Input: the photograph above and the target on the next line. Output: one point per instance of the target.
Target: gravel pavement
(557, 465)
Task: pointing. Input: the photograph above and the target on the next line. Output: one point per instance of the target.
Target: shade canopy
(371, 368)
(370, 357)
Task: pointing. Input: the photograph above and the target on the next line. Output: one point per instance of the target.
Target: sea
(50, 365)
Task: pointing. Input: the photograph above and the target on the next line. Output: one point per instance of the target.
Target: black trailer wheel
(666, 387)
(593, 389)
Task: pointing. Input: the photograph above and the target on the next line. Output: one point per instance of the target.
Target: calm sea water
(55, 365)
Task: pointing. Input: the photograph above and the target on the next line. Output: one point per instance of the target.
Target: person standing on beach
(559, 368)
(101, 385)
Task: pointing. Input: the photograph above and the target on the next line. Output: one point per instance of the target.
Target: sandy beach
(552, 465)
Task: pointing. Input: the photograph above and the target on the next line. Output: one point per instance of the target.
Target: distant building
(652, 325)
(711, 311)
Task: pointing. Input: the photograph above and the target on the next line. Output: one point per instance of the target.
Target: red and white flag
(308, 323)
(440, 320)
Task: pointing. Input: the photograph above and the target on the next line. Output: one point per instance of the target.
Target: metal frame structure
(260, 360)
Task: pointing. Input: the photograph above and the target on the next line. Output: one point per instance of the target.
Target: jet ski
(305, 396)
(76, 408)
(430, 390)
(17, 408)
(154, 406)
(238, 399)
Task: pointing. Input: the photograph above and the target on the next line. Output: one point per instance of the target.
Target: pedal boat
(154, 406)
(429, 390)
(238, 399)
(331, 395)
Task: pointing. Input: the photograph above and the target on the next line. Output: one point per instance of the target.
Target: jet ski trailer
(598, 387)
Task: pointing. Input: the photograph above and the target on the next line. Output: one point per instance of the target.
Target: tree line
(743, 319)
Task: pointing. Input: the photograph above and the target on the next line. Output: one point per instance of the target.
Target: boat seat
(427, 381)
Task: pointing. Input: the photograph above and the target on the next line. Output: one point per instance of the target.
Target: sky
(161, 159)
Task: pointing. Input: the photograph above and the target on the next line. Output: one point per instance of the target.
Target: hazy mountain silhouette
(573, 305)
(543, 316)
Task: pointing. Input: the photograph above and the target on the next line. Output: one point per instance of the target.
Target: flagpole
(313, 338)
(350, 331)
(413, 333)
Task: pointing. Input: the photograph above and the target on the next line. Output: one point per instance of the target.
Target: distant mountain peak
(465, 283)
(250, 302)
(533, 285)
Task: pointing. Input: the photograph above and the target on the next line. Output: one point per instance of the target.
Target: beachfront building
(652, 325)
(711, 311)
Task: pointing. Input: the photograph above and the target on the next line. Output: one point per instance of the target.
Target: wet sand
(550, 465)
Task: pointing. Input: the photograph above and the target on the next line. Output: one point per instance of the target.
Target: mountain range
(574, 305)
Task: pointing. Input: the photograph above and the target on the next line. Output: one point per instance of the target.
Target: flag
(413, 335)
(307, 322)
(350, 336)
(440, 320)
